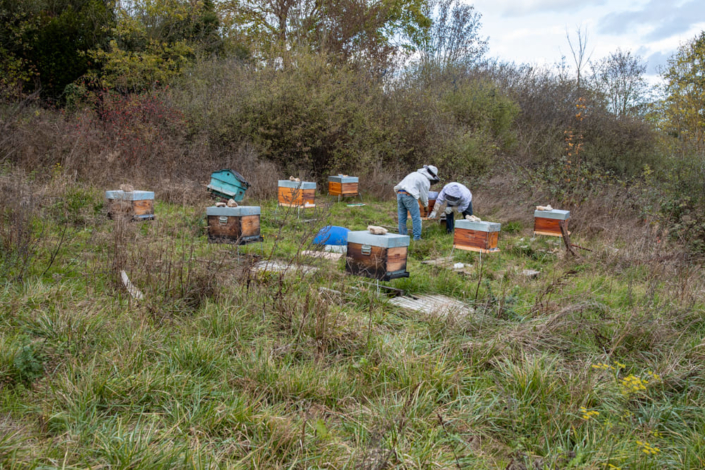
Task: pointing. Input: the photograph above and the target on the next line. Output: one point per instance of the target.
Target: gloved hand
(432, 215)
(449, 210)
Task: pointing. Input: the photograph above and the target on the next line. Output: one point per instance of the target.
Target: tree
(454, 37)
(152, 41)
(342, 28)
(619, 78)
(43, 42)
(684, 106)
(579, 53)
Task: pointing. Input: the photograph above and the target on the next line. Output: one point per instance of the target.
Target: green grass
(221, 368)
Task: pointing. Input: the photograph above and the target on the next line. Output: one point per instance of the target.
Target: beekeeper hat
(432, 170)
(453, 194)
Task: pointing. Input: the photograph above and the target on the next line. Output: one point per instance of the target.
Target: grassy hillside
(594, 364)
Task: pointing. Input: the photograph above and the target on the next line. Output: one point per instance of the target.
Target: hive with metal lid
(476, 236)
(549, 222)
(380, 257)
(296, 193)
(236, 225)
(343, 185)
(130, 205)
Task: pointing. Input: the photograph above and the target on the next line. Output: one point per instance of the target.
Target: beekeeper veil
(430, 172)
(453, 195)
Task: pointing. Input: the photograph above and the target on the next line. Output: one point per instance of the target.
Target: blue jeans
(409, 203)
(450, 218)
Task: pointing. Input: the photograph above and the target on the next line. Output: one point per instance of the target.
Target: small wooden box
(476, 236)
(380, 257)
(135, 205)
(343, 185)
(548, 222)
(296, 193)
(235, 225)
(431, 204)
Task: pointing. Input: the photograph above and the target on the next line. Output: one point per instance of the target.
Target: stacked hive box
(380, 257)
(549, 222)
(133, 205)
(296, 193)
(476, 236)
(237, 225)
(343, 185)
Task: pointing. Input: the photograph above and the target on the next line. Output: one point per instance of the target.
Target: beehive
(296, 193)
(380, 257)
(228, 184)
(237, 225)
(476, 236)
(548, 222)
(133, 205)
(432, 196)
(343, 185)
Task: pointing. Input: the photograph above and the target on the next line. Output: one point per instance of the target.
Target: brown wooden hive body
(382, 263)
(425, 213)
(238, 230)
(296, 197)
(342, 189)
(475, 240)
(546, 226)
(135, 210)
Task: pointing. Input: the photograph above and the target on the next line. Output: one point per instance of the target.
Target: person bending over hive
(457, 198)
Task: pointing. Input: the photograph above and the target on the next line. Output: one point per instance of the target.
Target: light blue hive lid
(389, 240)
(343, 179)
(553, 214)
(132, 196)
(478, 226)
(297, 184)
(238, 211)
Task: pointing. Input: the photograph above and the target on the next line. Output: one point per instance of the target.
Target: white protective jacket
(455, 190)
(417, 184)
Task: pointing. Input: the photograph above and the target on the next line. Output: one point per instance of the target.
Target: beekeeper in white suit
(412, 190)
(457, 198)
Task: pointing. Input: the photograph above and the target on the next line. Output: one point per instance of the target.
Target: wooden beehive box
(548, 222)
(432, 196)
(380, 257)
(237, 225)
(476, 236)
(343, 185)
(296, 193)
(133, 205)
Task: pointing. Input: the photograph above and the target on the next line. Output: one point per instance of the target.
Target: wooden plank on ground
(439, 305)
(282, 266)
(323, 254)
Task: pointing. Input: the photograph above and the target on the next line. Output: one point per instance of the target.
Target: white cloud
(513, 8)
(534, 31)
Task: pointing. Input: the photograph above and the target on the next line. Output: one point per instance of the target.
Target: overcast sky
(533, 31)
